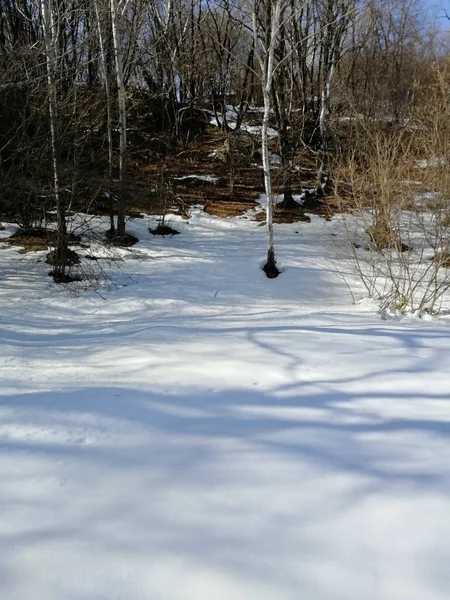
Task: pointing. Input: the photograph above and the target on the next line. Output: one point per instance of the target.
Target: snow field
(200, 432)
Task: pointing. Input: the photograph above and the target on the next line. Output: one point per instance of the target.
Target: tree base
(164, 230)
(288, 203)
(270, 268)
(70, 258)
(124, 241)
(312, 201)
(63, 277)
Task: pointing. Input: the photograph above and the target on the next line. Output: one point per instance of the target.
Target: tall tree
(121, 96)
(266, 18)
(109, 121)
(335, 18)
(50, 34)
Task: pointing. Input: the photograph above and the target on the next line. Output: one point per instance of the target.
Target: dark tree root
(68, 257)
(64, 277)
(312, 200)
(164, 230)
(270, 268)
(288, 202)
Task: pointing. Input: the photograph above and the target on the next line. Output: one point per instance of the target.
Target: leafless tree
(50, 33)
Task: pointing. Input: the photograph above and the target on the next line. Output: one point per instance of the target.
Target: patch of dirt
(192, 164)
(156, 164)
(170, 181)
(39, 239)
(229, 208)
(281, 215)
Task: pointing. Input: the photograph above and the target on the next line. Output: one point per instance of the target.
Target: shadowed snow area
(200, 432)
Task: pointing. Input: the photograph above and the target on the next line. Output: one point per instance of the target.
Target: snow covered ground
(200, 432)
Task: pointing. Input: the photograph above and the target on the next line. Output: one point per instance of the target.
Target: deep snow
(200, 432)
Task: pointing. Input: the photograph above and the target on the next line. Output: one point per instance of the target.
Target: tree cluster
(77, 75)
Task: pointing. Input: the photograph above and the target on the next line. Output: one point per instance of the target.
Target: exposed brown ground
(34, 240)
(154, 165)
(219, 198)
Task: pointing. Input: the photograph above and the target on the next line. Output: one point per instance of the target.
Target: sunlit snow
(195, 431)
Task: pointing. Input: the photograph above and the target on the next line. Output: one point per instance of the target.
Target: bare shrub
(398, 233)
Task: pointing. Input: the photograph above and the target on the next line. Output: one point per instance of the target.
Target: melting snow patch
(208, 178)
(437, 162)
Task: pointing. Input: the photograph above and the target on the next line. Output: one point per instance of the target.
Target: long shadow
(229, 481)
(341, 441)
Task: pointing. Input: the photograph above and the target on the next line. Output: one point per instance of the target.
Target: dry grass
(442, 259)
(230, 208)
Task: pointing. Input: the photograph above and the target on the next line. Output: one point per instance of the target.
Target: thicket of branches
(77, 75)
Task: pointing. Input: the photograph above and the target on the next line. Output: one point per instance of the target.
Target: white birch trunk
(266, 169)
(323, 123)
(267, 60)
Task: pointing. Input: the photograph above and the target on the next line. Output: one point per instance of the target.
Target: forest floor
(189, 429)
(165, 176)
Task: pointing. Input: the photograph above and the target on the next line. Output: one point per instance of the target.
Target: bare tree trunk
(48, 25)
(122, 121)
(108, 113)
(265, 41)
(270, 267)
(335, 22)
(283, 113)
(325, 97)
